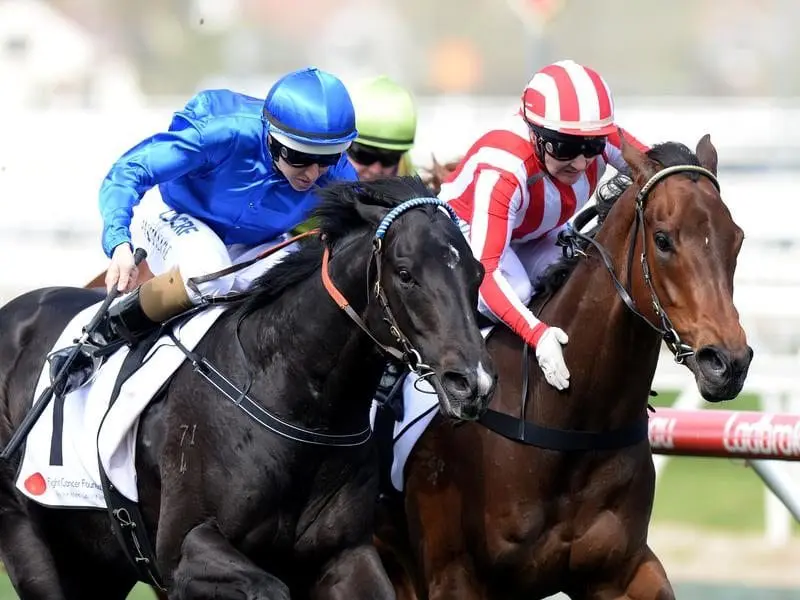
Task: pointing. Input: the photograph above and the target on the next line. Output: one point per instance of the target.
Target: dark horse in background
(252, 514)
(552, 491)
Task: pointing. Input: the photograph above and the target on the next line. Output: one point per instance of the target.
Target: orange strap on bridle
(332, 290)
(342, 303)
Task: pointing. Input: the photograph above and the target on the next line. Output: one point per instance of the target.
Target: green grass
(713, 493)
(140, 592)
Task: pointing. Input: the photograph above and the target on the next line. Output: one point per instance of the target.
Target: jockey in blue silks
(227, 180)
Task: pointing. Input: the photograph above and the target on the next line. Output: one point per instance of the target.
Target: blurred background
(83, 80)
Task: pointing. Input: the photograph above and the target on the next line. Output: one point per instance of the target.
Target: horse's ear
(642, 168)
(707, 154)
(370, 212)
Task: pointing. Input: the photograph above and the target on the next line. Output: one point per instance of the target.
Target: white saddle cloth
(90, 428)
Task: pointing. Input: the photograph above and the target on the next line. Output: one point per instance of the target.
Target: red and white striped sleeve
(614, 149)
(497, 199)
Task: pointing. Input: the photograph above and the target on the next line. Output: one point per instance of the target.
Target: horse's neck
(305, 342)
(612, 353)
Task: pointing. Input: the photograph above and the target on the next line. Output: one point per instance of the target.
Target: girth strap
(126, 519)
(563, 440)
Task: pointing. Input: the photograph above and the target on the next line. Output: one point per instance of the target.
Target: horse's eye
(405, 276)
(663, 241)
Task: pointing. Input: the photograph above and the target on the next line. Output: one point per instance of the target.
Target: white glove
(551, 357)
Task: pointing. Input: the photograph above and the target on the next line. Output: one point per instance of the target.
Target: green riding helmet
(386, 116)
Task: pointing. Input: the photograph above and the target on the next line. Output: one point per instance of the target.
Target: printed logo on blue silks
(180, 224)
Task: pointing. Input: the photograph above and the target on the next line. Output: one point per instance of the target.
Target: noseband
(404, 350)
(680, 350)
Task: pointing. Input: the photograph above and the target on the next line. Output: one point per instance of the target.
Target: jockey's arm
(160, 158)
(500, 196)
(614, 150)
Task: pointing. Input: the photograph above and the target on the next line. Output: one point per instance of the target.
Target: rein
(520, 430)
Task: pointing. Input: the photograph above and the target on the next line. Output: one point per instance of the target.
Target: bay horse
(553, 491)
(245, 512)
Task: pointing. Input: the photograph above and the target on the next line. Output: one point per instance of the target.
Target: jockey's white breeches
(179, 240)
(522, 263)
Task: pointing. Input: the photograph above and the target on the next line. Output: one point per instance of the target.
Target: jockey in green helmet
(386, 120)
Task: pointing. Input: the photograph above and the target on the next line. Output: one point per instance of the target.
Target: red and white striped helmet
(571, 99)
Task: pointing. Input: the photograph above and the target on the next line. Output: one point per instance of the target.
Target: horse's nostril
(712, 360)
(457, 383)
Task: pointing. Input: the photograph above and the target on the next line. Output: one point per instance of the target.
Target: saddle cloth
(91, 429)
(420, 404)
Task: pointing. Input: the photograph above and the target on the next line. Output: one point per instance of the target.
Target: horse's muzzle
(720, 373)
(468, 391)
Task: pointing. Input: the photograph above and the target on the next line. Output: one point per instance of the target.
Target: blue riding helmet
(310, 111)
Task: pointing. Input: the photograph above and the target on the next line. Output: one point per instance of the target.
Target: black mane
(668, 154)
(336, 216)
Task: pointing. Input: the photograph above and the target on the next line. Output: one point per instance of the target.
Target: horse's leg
(355, 573)
(90, 561)
(435, 517)
(397, 571)
(36, 572)
(392, 542)
(455, 581)
(93, 582)
(26, 557)
(648, 582)
(210, 567)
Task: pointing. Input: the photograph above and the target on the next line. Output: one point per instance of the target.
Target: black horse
(250, 513)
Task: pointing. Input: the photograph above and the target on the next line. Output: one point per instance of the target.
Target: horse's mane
(553, 278)
(336, 217)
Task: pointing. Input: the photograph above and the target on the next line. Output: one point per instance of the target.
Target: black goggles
(366, 155)
(300, 160)
(570, 147)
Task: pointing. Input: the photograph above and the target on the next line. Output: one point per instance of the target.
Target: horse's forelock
(672, 154)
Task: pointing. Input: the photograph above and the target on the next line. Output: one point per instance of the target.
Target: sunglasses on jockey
(366, 155)
(300, 160)
(569, 147)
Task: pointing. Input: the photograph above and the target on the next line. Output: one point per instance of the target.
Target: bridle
(403, 350)
(680, 350)
(526, 432)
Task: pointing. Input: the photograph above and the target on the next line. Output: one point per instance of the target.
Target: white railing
(775, 378)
